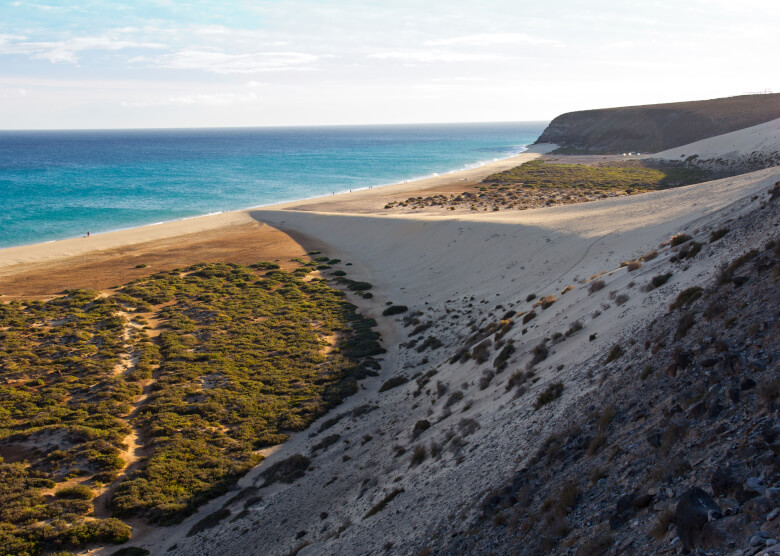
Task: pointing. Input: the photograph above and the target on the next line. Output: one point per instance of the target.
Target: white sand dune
(461, 274)
(762, 140)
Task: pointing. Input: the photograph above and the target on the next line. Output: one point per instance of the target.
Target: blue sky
(165, 63)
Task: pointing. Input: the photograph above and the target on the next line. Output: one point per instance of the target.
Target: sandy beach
(103, 260)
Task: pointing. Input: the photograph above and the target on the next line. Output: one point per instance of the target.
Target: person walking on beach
(87, 233)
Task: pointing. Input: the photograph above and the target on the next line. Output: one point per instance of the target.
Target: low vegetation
(239, 364)
(623, 176)
(540, 183)
(395, 310)
(550, 394)
(383, 503)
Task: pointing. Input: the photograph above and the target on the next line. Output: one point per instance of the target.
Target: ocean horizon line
(271, 127)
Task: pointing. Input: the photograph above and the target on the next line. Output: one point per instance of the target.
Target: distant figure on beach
(87, 234)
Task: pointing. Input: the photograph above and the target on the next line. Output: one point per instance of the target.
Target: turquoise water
(60, 184)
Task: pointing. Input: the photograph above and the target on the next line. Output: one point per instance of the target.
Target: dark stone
(739, 280)
(623, 511)
(715, 410)
(324, 515)
(642, 501)
(727, 481)
(746, 452)
(709, 362)
(682, 359)
(654, 438)
(625, 503)
(747, 384)
(300, 535)
(723, 532)
(697, 411)
(734, 394)
(770, 432)
(694, 509)
(757, 508)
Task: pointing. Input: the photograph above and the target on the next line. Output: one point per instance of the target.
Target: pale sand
(762, 139)
(456, 271)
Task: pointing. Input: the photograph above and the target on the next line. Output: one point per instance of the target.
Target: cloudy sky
(193, 63)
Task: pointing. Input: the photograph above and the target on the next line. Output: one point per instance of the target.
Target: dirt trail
(135, 451)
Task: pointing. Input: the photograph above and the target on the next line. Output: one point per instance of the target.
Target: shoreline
(466, 167)
(18, 257)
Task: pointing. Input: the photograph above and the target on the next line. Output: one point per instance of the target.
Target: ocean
(61, 184)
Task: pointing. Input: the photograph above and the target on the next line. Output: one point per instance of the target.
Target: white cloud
(225, 63)
(494, 39)
(429, 56)
(206, 99)
(68, 50)
(6, 38)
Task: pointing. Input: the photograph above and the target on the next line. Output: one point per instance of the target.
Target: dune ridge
(460, 274)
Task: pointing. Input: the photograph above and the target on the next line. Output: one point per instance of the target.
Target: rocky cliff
(657, 127)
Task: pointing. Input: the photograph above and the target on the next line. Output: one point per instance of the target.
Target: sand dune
(462, 274)
(762, 140)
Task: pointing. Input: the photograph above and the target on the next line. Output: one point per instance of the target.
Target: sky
(167, 63)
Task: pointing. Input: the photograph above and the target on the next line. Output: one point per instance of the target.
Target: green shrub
(547, 301)
(614, 353)
(718, 234)
(686, 297)
(393, 383)
(287, 471)
(383, 503)
(550, 394)
(237, 366)
(418, 455)
(395, 310)
(481, 352)
(131, 551)
(420, 427)
(659, 280)
(539, 354)
(727, 273)
(596, 285)
(208, 522)
(76, 492)
(679, 239)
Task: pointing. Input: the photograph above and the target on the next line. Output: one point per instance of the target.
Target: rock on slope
(657, 127)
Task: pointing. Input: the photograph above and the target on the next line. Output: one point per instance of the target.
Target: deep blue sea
(60, 184)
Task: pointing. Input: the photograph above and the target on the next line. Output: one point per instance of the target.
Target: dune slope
(406, 459)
